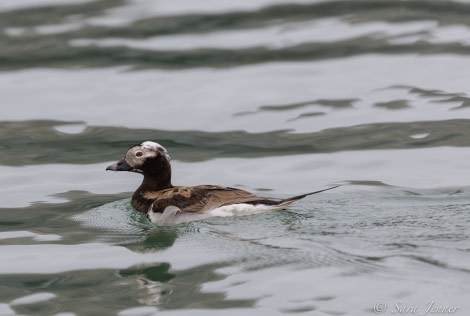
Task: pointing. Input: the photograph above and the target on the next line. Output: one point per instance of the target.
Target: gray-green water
(276, 97)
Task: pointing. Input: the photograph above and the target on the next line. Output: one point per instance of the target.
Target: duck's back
(202, 198)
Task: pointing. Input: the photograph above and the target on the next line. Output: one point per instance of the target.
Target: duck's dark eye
(139, 154)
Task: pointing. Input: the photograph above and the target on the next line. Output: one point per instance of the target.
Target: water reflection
(158, 284)
(151, 284)
(157, 239)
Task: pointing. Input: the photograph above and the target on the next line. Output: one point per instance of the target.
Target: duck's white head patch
(155, 147)
(151, 145)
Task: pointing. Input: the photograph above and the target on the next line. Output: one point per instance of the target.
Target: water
(275, 97)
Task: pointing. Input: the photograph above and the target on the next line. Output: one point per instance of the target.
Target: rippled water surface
(276, 97)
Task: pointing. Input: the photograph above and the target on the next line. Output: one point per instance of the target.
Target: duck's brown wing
(227, 195)
(203, 198)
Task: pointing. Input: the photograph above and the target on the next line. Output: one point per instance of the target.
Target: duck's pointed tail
(293, 199)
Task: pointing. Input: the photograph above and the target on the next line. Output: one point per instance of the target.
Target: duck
(166, 204)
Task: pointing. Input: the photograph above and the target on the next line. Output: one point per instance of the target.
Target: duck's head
(149, 158)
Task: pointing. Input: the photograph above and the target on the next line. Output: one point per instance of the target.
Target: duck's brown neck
(157, 177)
(144, 196)
(155, 183)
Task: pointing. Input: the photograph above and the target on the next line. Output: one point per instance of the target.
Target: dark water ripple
(56, 215)
(101, 143)
(42, 50)
(155, 284)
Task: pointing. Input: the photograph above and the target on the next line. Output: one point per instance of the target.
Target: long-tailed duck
(166, 204)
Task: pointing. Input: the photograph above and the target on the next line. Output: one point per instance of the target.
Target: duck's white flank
(172, 215)
(242, 209)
